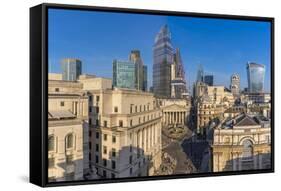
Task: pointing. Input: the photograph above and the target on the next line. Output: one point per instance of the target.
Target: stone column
(240, 161)
(260, 161)
(256, 159)
(234, 161)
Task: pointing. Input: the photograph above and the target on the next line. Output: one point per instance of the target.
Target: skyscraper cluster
(168, 71)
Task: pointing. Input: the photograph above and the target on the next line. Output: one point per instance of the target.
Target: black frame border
(39, 91)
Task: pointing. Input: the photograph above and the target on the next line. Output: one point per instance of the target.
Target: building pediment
(175, 107)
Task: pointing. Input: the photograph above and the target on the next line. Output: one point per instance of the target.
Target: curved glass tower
(256, 74)
(163, 58)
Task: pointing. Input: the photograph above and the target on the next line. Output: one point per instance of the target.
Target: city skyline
(214, 43)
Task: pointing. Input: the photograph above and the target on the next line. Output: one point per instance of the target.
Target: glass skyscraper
(123, 74)
(256, 74)
(162, 60)
(71, 69)
(140, 70)
(209, 80)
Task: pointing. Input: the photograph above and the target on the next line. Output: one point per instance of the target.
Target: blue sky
(221, 46)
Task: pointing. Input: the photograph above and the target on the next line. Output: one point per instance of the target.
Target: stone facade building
(175, 111)
(242, 143)
(67, 131)
(125, 130)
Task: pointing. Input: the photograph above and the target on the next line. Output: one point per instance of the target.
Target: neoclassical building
(125, 128)
(175, 111)
(67, 131)
(210, 104)
(242, 143)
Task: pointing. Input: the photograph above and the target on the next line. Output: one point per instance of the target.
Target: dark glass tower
(163, 58)
(71, 69)
(256, 74)
(140, 70)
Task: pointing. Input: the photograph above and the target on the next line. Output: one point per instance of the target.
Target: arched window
(69, 141)
(51, 143)
(247, 150)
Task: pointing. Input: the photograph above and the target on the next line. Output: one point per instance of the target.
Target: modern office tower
(162, 60)
(200, 74)
(209, 80)
(71, 69)
(140, 70)
(123, 74)
(235, 84)
(144, 78)
(256, 74)
(178, 83)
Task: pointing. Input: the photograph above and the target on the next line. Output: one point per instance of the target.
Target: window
(90, 109)
(57, 89)
(131, 148)
(113, 139)
(90, 156)
(90, 98)
(247, 150)
(136, 109)
(113, 152)
(69, 141)
(113, 164)
(69, 159)
(104, 162)
(97, 159)
(140, 108)
(97, 135)
(51, 162)
(131, 171)
(144, 108)
(62, 103)
(51, 143)
(115, 109)
(112, 175)
(97, 148)
(131, 122)
(131, 108)
(104, 150)
(90, 145)
(105, 137)
(97, 109)
(130, 159)
(90, 121)
(97, 122)
(104, 173)
(143, 118)
(98, 98)
(105, 123)
(120, 123)
(139, 164)
(90, 133)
